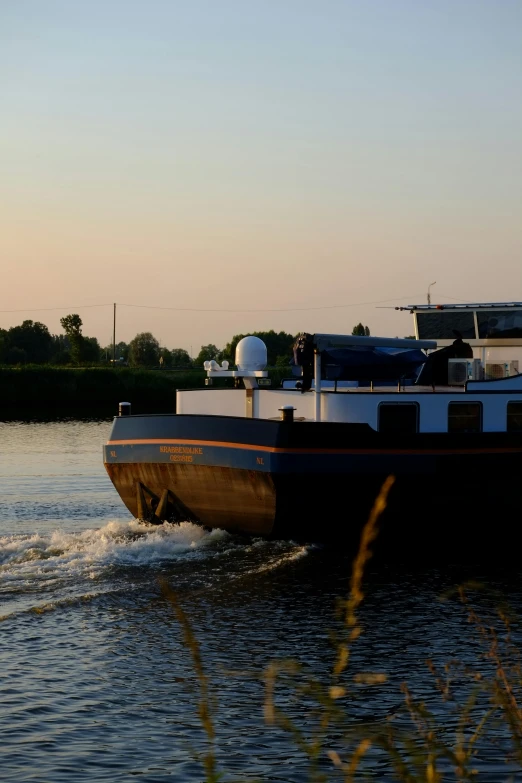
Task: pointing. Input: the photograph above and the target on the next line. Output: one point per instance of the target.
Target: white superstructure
(470, 404)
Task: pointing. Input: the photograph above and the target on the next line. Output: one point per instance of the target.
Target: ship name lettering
(260, 461)
(192, 450)
(181, 458)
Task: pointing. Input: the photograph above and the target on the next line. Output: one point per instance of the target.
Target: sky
(224, 167)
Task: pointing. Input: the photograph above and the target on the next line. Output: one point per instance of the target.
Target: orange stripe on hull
(277, 450)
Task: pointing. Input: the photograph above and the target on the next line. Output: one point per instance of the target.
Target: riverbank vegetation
(80, 391)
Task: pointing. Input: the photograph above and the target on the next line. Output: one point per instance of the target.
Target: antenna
(428, 295)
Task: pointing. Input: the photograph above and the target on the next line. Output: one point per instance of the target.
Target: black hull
(454, 498)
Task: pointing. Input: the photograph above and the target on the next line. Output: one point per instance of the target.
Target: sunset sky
(250, 155)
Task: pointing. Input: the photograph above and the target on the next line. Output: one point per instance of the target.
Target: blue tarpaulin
(371, 364)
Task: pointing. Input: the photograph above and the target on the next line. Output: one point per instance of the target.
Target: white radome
(251, 354)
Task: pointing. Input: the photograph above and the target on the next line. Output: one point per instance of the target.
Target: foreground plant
(415, 741)
(205, 704)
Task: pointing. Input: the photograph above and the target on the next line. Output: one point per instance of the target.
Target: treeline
(145, 351)
(32, 343)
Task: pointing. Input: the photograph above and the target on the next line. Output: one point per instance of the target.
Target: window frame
(412, 404)
(513, 402)
(462, 403)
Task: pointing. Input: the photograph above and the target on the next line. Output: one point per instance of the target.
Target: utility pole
(114, 338)
(429, 297)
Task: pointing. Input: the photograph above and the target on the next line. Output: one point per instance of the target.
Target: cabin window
(398, 417)
(441, 325)
(500, 324)
(514, 417)
(465, 417)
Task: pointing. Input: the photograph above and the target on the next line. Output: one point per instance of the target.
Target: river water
(98, 684)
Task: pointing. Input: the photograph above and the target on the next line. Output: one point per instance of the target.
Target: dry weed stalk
(326, 698)
(356, 595)
(205, 703)
(507, 678)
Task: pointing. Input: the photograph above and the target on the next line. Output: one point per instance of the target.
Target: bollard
(287, 413)
(124, 409)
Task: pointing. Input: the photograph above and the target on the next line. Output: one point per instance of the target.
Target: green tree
(91, 351)
(165, 357)
(180, 358)
(144, 350)
(360, 330)
(279, 347)
(4, 345)
(207, 353)
(16, 355)
(121, 352)
(72, 326)
(33, 339)
(60, 349)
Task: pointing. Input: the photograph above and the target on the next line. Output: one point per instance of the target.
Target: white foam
(87, 553)
(41, 572)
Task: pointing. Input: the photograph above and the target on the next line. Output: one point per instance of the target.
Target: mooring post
(287, 413)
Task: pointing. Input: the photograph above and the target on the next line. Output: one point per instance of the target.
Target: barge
(305, 461)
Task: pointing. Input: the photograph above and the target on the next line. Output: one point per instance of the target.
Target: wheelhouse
(493, 330)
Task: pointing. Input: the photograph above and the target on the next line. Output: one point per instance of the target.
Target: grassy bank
(35, 390)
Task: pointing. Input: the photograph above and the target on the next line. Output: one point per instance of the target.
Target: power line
(211, 310)
(263, 309)
(227, 310)
(453, 299)
(47, 309)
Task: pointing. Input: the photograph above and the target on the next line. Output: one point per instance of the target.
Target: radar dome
(251, 354)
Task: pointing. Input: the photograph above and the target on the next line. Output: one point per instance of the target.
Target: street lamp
(429, 297)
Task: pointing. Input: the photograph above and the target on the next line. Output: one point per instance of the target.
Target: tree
(279, 347)
(180, 358)
(144, 350)
(362, 331)
(16, 355)
(165, 357)
(72, 326)
(91, 351)
(4, 346)
(207, 353)
(121, 352)
(33, 339)
(60, 350)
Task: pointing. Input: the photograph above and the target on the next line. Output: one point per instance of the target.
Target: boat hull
(454, 496)
(217, 496)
